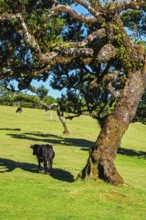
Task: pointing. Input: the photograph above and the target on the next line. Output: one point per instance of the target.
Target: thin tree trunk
(66, 131)
(100, 164)
(54, 105)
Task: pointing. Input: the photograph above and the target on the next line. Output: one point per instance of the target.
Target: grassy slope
(25, 194)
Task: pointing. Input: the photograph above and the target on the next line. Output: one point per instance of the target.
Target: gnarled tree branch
(66, 9)
(118, 7)
(97, 11)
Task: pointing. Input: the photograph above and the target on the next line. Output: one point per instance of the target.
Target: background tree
(99, 62)
(6, 96)
(28, 99)
(41, 93)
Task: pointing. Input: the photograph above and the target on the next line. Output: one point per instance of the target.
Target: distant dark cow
(46, 108)
(19, 110)
(45, 154)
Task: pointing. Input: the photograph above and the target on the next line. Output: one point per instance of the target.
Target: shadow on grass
(132, 153)
(10, 129)
(54, 139)
(129, 152)
(7, 165)
(75, 142)
(62, 175)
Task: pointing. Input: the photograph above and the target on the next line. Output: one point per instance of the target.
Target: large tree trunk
(100, 164)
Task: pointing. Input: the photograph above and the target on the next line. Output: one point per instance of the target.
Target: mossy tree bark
(100, 164)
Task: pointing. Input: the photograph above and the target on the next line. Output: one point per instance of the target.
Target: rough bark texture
(100, 163)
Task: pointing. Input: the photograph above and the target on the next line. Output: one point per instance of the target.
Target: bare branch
(94, 82)
(70, 117)
(99, 33)
(62, 8)
(94, 11)
(28, 37)
(106, 53)
(111, 89)
(48, 107)
(110, 78)
(54, 57)
(117, 7)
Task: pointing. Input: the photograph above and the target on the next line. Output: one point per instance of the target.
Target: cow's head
(35, 148)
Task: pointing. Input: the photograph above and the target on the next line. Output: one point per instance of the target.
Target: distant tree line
(27, 100)
(9, 98)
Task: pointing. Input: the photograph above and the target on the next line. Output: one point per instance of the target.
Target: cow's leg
(39, 166)
(45, 165)
(50, 167)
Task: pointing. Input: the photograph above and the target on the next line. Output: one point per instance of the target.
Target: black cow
(19, 110)
(45, 154)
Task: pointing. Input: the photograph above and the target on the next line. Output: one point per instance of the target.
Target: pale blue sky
(52, 92)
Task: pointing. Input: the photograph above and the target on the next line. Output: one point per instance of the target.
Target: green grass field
(25, 194)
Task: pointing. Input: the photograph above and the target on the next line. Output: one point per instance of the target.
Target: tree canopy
(88, 53)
